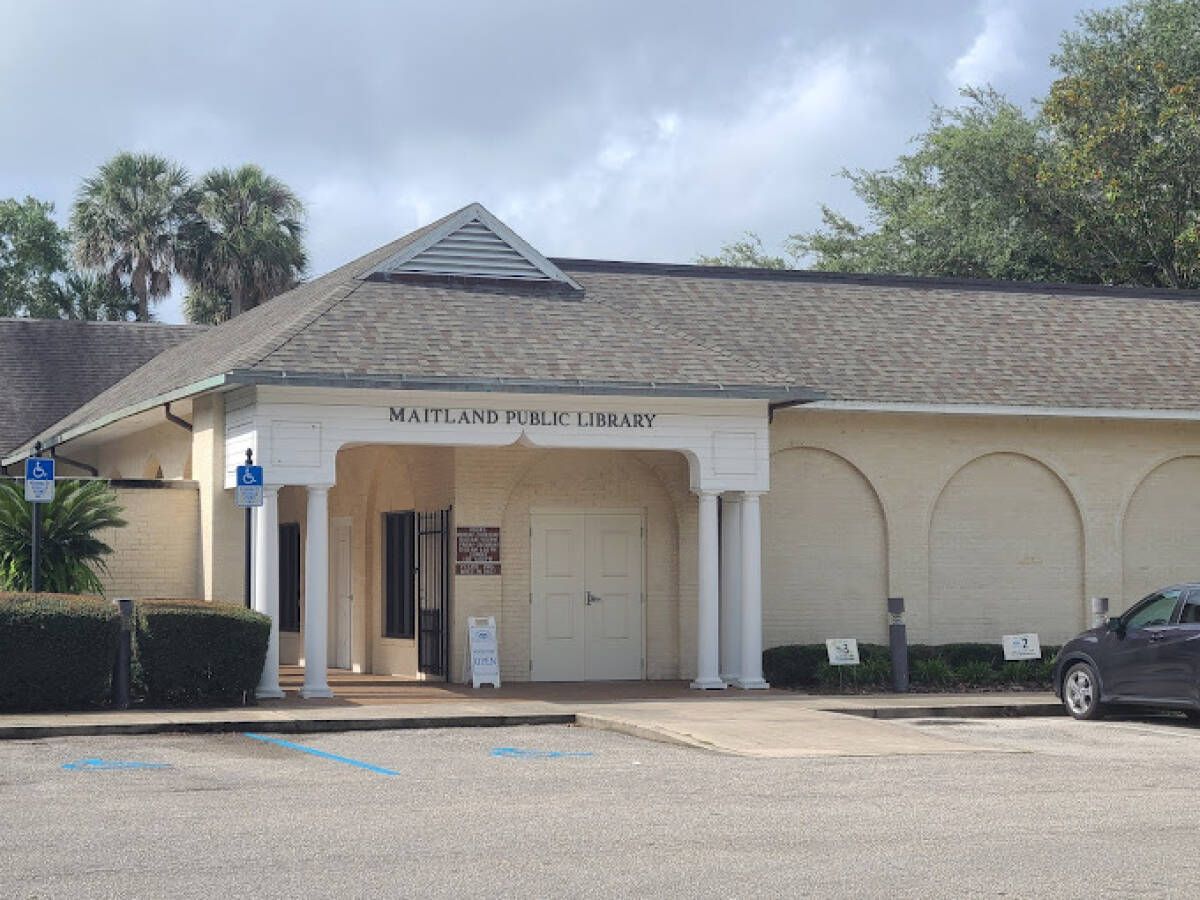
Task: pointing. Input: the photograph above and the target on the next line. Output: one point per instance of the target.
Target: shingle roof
(927, 341)
(673, 328)
(51, 367)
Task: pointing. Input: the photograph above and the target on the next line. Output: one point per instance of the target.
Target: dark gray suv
(1150, 656)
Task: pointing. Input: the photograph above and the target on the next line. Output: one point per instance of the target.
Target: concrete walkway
(764, 724)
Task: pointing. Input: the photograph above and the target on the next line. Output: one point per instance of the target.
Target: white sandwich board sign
(483, 651)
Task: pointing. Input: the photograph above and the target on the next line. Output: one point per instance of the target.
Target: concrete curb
(281, 726)
(962, 711)
(646, 732)
(313, 725)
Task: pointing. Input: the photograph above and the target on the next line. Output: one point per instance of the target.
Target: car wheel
(1081, 692)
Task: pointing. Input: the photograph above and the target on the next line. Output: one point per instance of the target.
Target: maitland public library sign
(425, 415)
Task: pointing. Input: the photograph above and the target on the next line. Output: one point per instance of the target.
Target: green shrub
(959, 656)
(56, 650)
(930, 666)
(1031, 672)
(807, 665)
(933, 672)
(875, 672)
(194, 653)
(794, 665)
(976, 673)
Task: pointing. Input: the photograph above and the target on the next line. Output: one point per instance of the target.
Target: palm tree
(87, 295)
(71, 552)
(126, 221)
(245, 245)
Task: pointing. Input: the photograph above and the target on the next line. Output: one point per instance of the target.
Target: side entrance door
(586, 596)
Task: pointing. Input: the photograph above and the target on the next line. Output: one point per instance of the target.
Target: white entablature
(296, 433)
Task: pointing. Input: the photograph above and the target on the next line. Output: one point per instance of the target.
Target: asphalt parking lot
(1056, 807)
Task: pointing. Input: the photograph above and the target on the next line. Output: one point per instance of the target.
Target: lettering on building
(525, 418)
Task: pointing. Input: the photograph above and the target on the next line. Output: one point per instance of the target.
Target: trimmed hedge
(194, 653)
(937, 667)
(56, 650)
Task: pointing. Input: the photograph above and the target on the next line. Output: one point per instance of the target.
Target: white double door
(586, 596)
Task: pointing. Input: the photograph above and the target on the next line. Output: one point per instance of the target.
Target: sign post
(249, 492)
(39, 489)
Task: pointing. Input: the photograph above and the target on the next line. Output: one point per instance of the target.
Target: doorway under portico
(633, 523)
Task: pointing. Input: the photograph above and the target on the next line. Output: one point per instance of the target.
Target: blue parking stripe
(322, 753)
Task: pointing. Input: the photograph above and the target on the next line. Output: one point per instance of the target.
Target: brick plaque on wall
(478, 551)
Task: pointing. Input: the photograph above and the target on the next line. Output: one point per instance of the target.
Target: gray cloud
(631, 130)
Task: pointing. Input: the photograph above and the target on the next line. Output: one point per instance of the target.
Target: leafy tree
(33, 249)
(1101, 186)
(245, 244)
(1125, 117)
(71, 553)
(959, 205)
(747, 252)
(126, 222)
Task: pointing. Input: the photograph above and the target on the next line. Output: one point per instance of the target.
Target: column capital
(272, 489)
(319, 488)
(706, 492)
(751, 495)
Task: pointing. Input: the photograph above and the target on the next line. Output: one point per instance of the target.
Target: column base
(729, 678)
(708, 684)
(268, 694)
(756, 684)
(315, 693)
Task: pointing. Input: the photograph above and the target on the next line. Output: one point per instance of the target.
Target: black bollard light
(898, 638)
(121, 670)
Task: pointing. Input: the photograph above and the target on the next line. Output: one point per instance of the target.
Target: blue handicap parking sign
(39, 480)
(249, 485)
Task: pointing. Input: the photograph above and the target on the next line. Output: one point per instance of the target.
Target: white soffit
(473, 243)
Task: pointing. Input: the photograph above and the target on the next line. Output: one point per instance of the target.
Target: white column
(316, 593)
(751, 596)
(266, 587)
(707, 628)
(731, 586)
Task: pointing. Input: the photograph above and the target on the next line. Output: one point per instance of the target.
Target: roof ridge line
(878, 279)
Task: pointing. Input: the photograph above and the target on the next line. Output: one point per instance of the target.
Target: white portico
(298, 432)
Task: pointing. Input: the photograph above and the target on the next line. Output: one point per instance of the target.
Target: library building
(637, 470)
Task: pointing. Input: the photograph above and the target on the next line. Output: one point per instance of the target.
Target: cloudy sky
(630, 130)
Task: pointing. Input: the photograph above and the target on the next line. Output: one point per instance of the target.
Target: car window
(1154, 610)
(1190, 614)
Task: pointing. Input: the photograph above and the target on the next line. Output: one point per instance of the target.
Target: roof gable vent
(471, 243)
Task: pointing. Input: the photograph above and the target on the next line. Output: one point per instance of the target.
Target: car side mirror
(1116, 626)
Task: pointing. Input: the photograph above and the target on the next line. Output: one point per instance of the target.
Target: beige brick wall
(157, 554)
(985, 525)
(824, 550)
(1160, 540)
(1005, 554)
(371, 480)
(501, 487)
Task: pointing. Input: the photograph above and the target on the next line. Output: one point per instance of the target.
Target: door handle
(1157, 636)
(591, 598)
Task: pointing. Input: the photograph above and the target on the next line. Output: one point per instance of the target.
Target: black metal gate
(432, 571)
